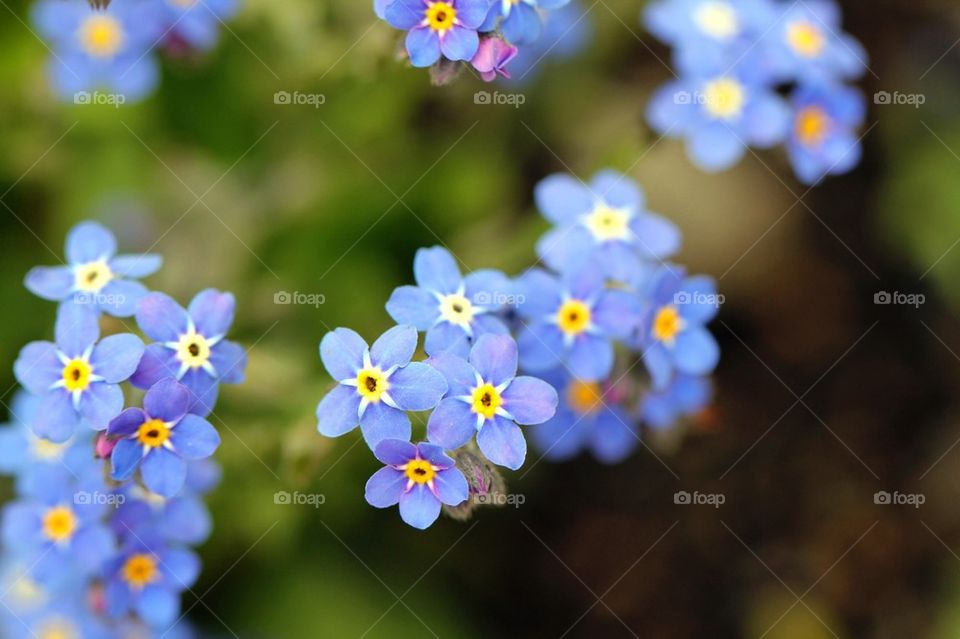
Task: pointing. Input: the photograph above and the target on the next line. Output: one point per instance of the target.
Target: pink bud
(104, 446)
(492, 57)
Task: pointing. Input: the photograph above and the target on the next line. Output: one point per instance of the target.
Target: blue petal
(54, 283)
(204, 391)
(380, 8)
(395, 347)
(186, 520)
(435, 269)
(380, 422)
(613, 436)
(618, 190)
(37, 367)
(125, 459)
(435, 455)
(522, 26)
(404, 14)
(696, 352)
(395, 452)
(157, 606)
(460, 375)
(229, 359)
(541, 347)
(135, 266)
(342, 353)
(501, 441)
(77, 328)
(385, 487)
(767, 119)
(450, 487)
(488, 288)
(161, 318)
(100, 403)
(617, 313)
(417, 387)
(212, 312)
(92, 547)
(447, 338)
(163, 472)
(419, 507)
(158, 362)
(89, 242)
(591, 358)
(337, 412)
(182, 567)
(116, 357)
(562, 198)
(656, 237)
(703, 299)
(126, 423)
(452, 424)
(57, 419)
(423, 46)
(195, 438)
(471, 13)
(460, 43)
(120, 298)
(566, 248)
(539, 294)
(715, 147)
(413, 305)
(530, 400)
(563, 436)
(495, 358)
(657, 360)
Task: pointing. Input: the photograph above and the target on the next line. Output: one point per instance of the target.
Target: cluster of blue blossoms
(112, 48)
(760, 73)
(109, 490)
(608, 305)
(484, 34)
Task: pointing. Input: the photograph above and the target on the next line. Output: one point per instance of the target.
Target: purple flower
(160, 438)
(190, 346)
(487, 398)
(419, 477)
(438, 26)
(492, 58)
(823, 140)
(77, 377)
(95, 275)
(377, 385)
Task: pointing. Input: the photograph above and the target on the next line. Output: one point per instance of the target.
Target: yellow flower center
(574, 317)
(59, 524)
(457, 309)
(101, 35)
(667, 324)
(805, 38)
(372, 384)
(486, 400)
(153, 433)
(47, 450)
(717, 19)
(140, 570)
(193, 350)
(441, 16)
(57, 629)
(607, 223)
(724, 98)
(811, 125)
(420, 471)
(76, 375)
(92, 277)
(584, 397)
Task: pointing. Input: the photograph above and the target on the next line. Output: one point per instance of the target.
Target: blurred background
(823, 396)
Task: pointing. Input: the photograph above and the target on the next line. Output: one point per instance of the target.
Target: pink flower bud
(492, 57)
(104, 446)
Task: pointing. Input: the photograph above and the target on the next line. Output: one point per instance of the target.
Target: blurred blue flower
(160, 438)
(673, 334)
(684, 395)
(95, 275)
(376, 385)
(519, 20)
(605, 222)
(452, 309)
(76, 377)
(195, 23)
(487, 398)
(190, 346)
(418, 477)
(573, 321)
(566, 32)
(823, 140)
(436, 27)
(105, 49)
(589, 417)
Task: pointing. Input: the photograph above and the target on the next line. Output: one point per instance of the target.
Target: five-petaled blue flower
(436, 27)
(418, 477)
(573, 321)
(452, 309)
(190, 346)
(76, 376)
(589, 417)
(160, 438)
(823, 140)
(684, 395)
(376, 385)
(603, 221)
(519, 20)
(673, 334)
(486, 398)
(95, 276)
(101, 49)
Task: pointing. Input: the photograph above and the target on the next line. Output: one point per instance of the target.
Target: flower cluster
(109, 500)
(111, 48)
(550, 353)
(760, 73)
(483, 34)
